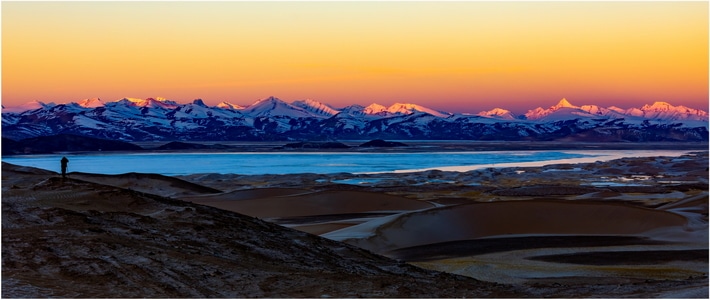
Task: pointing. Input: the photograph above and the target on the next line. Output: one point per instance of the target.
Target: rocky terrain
(632, 227)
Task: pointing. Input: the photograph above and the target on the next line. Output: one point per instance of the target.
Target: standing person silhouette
(64, 161)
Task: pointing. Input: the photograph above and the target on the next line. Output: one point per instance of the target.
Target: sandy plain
(629, 227)
(625, 220)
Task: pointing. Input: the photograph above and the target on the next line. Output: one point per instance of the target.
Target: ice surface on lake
(323, 163)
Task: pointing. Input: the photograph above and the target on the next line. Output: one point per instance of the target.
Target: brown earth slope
(71, 238)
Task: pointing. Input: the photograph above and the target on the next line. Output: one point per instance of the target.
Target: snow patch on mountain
(86, 122)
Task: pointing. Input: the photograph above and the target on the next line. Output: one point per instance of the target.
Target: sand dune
(148, 183)
(282, 203)
(509, 218)
(497, 241)
(698, 202)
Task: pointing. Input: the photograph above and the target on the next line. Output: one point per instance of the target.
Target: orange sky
(453, 56)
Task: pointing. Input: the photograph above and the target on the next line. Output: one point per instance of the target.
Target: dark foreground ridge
(75, 239)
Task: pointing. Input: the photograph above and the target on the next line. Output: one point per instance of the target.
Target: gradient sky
(452, 56)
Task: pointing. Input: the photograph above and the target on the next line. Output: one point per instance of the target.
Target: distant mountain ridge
(662, 110)
(134, 119)
(658, 110)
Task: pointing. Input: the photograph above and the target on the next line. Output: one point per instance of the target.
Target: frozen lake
(322, 162)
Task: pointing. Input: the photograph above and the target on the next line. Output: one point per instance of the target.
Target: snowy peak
(400, 109)
(316, 107)
(264, 107)
(600, 111)
(374, 109)
(657, 110)
(664, 110)
(273, 106)
(271, 100)
(498, 113)
(150, 102)
(134, 101)
(403, 108)
(90, 103)
(227, 105)
(540, 113)
(658, 106)
(563, 104)
(408, 108)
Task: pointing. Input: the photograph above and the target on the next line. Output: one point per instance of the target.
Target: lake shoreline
(319, 162)
(411, 147)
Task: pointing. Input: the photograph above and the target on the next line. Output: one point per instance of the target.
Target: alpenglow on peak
(564, 104)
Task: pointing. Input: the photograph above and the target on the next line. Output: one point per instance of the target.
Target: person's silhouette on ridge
(64, 161)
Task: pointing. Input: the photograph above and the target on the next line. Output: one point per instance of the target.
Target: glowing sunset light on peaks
(463, 57)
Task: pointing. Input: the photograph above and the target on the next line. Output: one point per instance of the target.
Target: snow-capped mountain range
(658, 110)
(133, 119)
